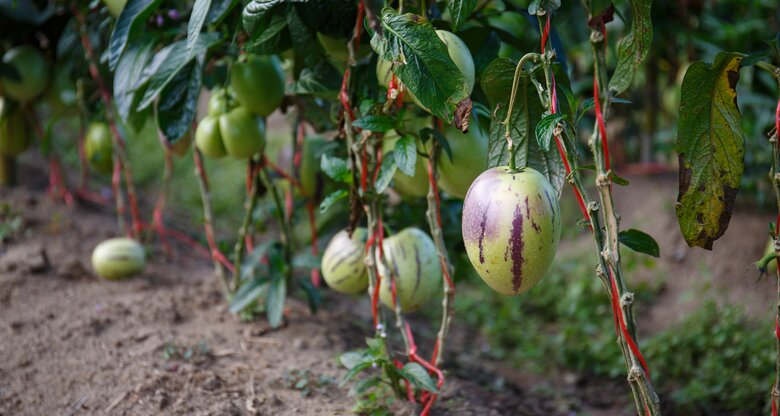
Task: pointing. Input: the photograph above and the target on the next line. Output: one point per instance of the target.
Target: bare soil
(164, 343)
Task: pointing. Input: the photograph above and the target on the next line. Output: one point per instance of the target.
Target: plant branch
(243, 232)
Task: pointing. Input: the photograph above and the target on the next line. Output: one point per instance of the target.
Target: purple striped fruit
(511, 227)
(343, 262)
(412, 256)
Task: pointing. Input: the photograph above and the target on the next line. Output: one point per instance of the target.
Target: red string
(774, 406)
(546, 32)
(630, 341)
(600, 121)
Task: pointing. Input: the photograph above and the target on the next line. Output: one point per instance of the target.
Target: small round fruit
(415, 265)
(337, 49)
(99, 148)
(242, 134)
(220, 102)
(118, 258)
(343, 262)
(511, 227)
(258, 84)
(115, 6)
(208, 138)
(411, 186)
(469, 159)
(32, 69)
(14, 132)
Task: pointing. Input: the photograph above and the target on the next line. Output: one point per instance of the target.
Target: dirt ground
(164, 343)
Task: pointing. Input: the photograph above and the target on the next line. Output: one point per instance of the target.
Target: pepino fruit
(469, 159)
(99, 148)
(118, 258)
(343, 266)
(258, 84)
(415, 264)
(511, 228)
(32, 70)
(208, 139)
(14, 131)
(242, 134)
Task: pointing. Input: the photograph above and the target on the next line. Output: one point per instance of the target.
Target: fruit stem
(7, 171)
(529, 57)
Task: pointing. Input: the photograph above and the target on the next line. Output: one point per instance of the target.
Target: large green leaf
(633, 48)
(129, 22)
(274, 38)
(460, 10)
(128, 70)
(711, 148)
(256, 12)
(200, 11)
(527, 112)
(321, 80)
(640, 242)
(422, 62)
(179, 101)
(168, 62)
(274, 303)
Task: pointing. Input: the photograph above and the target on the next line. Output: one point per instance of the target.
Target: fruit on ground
(459, 53)
(115, 6)
(32, 70)
(208, 139)
(411, 255)
(14, 132)
(410, 186)
(336, 49)
(258, 83)
(99, 148)
(242, 134)
(118, 258)
(343, 262)
(310, 176)
(511, 228)
(469, 159)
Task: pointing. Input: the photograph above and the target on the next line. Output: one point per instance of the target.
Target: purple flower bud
(159, 19)
(174, 14)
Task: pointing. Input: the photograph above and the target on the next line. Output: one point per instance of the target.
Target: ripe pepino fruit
(415, 264)
(118, 258)
(511, 228)
(343, 266)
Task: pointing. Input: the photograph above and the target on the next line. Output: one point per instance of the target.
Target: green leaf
(336, 168)
(219, 9)
(248, 293)
(307, 49)
(711, 148)
(428, 133)
(274, 303)
(306, 261)
(540, 7)
(355, 371)
(200, 10)
(460, 10)
(633, 48)
(640, 242)
(179, 102)
(405, 153)
(256, 12)
(322, 80)
(352, 359)
(419, 377)
(617, 179)
(376, 123)
(129, 69)
(546, 128)
(332, 199)
(130, 21)
(528, 110)
(312, 294)
(422, 62)
(386, 172)
(168, 62)
(273, 39)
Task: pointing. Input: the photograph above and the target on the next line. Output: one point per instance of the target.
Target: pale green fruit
(511, 227)
(343, 262)
(208, 138)
(118, 258)
(469, 159)
(411, 186)
(411, 255)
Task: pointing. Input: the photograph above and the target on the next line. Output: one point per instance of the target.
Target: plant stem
(771, 69)
(283, 222)
(158, 217)
(200, 173)
(529, 57)
(775, 177)
(249, 207)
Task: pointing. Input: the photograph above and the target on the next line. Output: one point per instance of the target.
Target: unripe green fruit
(220, 102)
(14, 131)
(99, 148)
(415, 264)
(208, 138)
(242, 134)
(469, 159)
(118, 258)
(115, 6)
(337, 49)
(258, 84)
(411, 186)
(310, 164)
(771, 266)
(511, 228)
(32, 69)
(343, 262)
